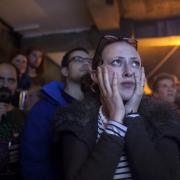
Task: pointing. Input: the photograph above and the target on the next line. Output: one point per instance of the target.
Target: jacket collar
(151, 109)
(158, 117)
(52, 92)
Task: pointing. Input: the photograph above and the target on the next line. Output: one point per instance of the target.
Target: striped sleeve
(115, 128)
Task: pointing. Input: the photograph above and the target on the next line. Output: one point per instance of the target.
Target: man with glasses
(11, 122)
(37, 156)
(114, 133)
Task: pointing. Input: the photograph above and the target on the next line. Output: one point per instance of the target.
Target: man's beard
(6, 95)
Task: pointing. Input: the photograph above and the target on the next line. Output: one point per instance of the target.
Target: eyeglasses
(79, 60)
(108, 39)
(10, 81)
(112, 38)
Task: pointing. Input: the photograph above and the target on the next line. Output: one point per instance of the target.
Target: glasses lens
(78, 59)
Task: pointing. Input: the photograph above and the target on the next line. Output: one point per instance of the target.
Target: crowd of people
(97, 124)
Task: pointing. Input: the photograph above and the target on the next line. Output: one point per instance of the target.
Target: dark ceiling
(143, 18)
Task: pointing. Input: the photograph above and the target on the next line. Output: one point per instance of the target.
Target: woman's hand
(133, 103)
(110, 96)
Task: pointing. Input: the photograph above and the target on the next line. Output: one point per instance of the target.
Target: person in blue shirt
(37, 156)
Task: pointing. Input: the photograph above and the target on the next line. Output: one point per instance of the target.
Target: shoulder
(160, 118)
(79, 112)
(77, 116)
(42, 112)
(44, 104)
(157, 111)
(52, 92)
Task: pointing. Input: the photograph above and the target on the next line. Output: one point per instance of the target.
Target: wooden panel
(104, 15)
(150, 9)
(8, 41)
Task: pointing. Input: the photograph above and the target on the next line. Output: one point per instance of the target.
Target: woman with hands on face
(116, 132)
(111, 97)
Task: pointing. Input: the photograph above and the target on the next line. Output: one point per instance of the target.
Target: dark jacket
(151, 143)
(11, 126)
(3, 154)
(36, 160)
(24, 82)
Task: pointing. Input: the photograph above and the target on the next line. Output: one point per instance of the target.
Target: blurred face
(78, 66)
(122, 58)
(20, 61)
(8, 77)
(35, 58)
(167, 90)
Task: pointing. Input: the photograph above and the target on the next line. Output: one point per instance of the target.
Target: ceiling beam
(106, 16)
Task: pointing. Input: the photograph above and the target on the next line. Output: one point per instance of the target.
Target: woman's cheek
(112, 70)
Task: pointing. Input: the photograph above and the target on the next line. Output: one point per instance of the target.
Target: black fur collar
(151, 109)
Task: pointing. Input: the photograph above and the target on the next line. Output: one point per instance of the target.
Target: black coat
(151, 143)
